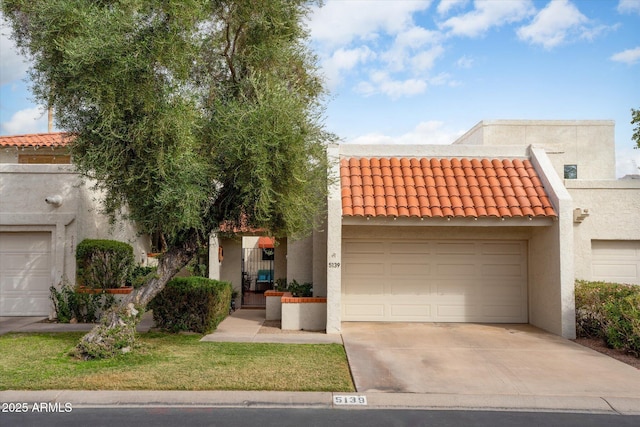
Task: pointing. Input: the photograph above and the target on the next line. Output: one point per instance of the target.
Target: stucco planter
(273, 305)
(115, 291)
(303, 313)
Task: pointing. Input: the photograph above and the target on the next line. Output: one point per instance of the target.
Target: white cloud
(344, 60)
(551, 25)
(425, 60)
(488, 14)
(446, 5)
(381, 82)
(407, 43)
(13, 66)
(443, 79)
(629, 6)
(629, 56)
(429, 132)
(464, 62)
(341, 22)
(30, 120)
(351, 35)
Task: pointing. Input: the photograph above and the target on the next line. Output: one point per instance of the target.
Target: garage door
(434, 281)
(616, 261)
(25, 274)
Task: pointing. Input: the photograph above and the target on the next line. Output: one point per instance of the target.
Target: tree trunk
(115, 334)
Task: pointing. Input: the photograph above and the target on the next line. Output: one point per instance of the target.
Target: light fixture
(54, 200)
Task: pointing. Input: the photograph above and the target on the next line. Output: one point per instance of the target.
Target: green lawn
(172, 362)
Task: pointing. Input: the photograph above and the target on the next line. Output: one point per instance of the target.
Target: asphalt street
(282, 417)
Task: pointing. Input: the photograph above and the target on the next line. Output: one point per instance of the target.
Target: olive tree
(635, 120)
(187, 114)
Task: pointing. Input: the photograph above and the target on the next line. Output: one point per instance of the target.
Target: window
(570, 171)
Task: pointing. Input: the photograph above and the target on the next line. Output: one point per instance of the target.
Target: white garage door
(616, 261)
(25, 274)
(434, 281)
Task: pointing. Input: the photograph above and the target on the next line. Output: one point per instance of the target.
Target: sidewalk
(246, 325)
(293, 400)
(39, 324)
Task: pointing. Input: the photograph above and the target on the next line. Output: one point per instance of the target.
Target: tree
(635, 120)
(186, 113)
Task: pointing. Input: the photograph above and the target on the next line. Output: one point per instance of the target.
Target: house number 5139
(334, 265)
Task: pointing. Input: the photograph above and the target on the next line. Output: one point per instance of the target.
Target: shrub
(281, 284)
(622, 330)
(300, 290)
(194, 304)
(609, 311)
(83, 307)
(140, 275)
(103, 263)
(296, 289)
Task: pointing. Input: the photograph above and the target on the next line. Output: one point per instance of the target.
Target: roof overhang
(449, 222)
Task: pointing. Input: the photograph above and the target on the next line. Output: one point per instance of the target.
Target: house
(494, 228)
(45, 210)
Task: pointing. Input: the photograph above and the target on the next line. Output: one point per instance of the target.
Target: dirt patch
(275, 327)
(600, 346)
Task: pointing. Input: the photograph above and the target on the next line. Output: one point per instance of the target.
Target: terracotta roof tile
(412, 187)
(56, 139)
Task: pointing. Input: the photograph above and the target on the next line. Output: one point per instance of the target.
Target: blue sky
(427, 71)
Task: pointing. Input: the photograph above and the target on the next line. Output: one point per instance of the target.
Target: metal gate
(257, 275)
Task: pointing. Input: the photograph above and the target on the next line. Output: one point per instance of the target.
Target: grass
(172, 362)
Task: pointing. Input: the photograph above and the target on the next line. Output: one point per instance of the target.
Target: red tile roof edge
(442, 187)
(54, 139)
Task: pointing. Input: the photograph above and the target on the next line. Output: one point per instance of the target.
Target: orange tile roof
(477, 188)
(56, 139)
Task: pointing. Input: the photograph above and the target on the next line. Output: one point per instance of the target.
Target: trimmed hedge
(104, 263)
(609, 311)
(194, 304)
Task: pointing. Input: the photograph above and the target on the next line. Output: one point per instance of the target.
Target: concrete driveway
(480, 359)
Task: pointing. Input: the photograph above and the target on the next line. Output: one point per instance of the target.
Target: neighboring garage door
(616, 261)
(25, 274)
(434, 281)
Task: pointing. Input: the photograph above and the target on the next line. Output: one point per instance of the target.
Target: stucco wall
(304, 316)
(320, 263)
(23, 190)
(552, 282)
(614, 214)
(280, 260)
(300, 260)
(590, 144)
(231, 265)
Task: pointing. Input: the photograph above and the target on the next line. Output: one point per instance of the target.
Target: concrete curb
(283, 399)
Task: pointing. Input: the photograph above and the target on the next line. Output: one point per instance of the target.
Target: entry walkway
(245, 325)
(39, 324)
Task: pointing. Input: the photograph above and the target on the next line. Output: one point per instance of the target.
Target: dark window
(570, 171)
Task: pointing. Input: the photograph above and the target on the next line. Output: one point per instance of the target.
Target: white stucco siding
(23, 209)
(231, 265)
(300, 260)
(589, 144)
(613, 215)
